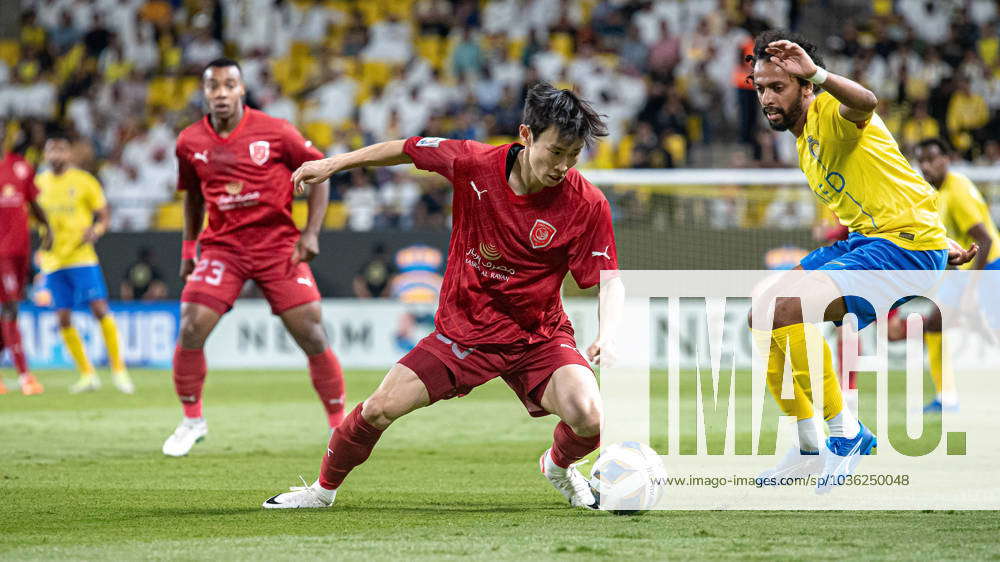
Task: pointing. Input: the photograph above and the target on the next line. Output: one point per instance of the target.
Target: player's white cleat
(795, 464)
(302, 497)
(123, 382)
(843, 457)
(568, 481)
(188, 432)
(87, 383)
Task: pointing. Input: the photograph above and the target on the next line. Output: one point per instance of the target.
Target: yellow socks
(110, 331)
(75, 346)
(941, 373)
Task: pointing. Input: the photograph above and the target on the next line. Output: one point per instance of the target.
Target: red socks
(568, 447)
(328, 380)
(12, 341)
(189, 378)
(350, 446)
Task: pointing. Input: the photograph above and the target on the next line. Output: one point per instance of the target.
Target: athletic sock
(328, 380)
(568, 447)
(189, 378)
(940, 367)
(12, 339)
(844, 424)
(75, 347)
(810, 435)
(110, 331)
(351, 444)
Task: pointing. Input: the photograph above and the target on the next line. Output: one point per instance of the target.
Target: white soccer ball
(628, 478)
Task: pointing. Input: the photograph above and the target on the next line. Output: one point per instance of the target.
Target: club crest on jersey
(541, 234)
(260, 151)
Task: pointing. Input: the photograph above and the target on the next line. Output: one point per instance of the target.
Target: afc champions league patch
(541, 234)
(432, 142)
(260, 151)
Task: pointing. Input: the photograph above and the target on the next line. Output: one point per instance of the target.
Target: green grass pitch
(82, 477)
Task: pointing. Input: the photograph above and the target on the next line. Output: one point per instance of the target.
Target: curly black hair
(546, 106)
(936, 141)
(771, 35)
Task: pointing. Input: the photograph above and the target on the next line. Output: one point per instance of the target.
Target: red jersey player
(18, 195)
(237, 164)
(523, 217)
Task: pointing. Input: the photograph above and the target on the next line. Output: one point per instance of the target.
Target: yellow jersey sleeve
(962, 207)
(858, 172)
(93, 195)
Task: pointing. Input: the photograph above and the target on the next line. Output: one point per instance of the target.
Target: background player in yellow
(967, 218)
(854, 166)
(78, 216)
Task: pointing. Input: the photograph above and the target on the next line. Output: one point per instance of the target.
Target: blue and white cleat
(795, 465)
(937, 407)
(842, 458)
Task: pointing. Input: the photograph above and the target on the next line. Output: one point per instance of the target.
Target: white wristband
(819, 76)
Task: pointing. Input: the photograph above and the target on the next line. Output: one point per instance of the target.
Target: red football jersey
(17, 189)
(509, 254)
(246, 179)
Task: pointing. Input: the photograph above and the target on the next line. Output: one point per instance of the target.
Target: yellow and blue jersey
(70, 200)
(860, 174)
(963, 207)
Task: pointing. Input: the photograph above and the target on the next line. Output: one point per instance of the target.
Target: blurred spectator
(372, 280)
(361, 200)
(142, 280)
(467, 58)
(389, 41)
(967, 113)
(203, 48)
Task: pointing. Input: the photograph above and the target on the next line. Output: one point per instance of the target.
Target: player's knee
(191, 336)
(377, 411)
(8, 311)
(313, 340)
(65, 318)
(787, 312)
(584, 418)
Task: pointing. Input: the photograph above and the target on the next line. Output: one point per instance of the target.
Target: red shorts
(219, 276)
(449, 369)
(13, 275)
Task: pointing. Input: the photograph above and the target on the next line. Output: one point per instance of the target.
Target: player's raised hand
(791, 58)
(958, 255)
(187, 268)
(312, 172)
(306, 248)
(603, 353)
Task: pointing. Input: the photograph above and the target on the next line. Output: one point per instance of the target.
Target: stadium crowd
(670, 76)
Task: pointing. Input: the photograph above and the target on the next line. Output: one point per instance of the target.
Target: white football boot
(123, 382)
(795, 464)
(302, 497)
(86, 383)
(188, 432)
(568, 481)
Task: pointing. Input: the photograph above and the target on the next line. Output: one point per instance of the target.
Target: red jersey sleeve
(298, 150)
(30, 188)
(594, 249)
(187, 177)
(436, 154)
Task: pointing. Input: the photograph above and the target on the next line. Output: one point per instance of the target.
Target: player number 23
(215, 270)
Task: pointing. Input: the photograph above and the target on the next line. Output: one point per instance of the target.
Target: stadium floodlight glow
(692, 384)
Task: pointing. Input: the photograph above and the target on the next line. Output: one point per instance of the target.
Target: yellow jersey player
(78, 216)
(966, 217)
(854, 166)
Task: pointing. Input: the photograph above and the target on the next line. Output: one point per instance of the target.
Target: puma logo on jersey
(304, 281)
(479, 194)
(602, 254)
(203, 156)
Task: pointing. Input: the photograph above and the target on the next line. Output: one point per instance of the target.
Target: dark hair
(545, 107)
(771, 35)
(222, 62)
(55, 132)
(936, 141)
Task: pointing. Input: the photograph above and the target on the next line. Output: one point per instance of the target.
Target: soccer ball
(628, 478)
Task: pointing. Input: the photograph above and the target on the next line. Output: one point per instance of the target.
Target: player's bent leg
(573, 395)
(304, 323)
(112, 342)
(400, 393)
(197, 322)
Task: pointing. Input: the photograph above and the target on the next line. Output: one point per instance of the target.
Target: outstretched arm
(194, 219)
(307, 247)
(382, 154)
(856, 102)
